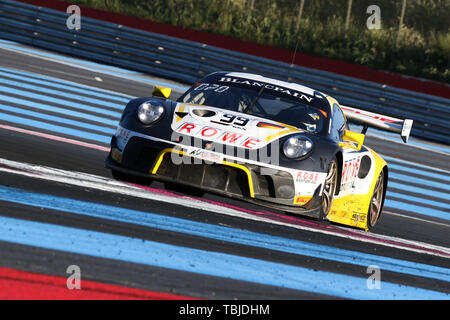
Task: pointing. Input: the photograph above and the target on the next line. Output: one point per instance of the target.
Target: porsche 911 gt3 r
(270, 142)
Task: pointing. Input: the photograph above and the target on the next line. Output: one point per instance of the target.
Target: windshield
(258, 101)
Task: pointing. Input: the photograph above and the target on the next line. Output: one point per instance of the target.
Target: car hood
(227, 127)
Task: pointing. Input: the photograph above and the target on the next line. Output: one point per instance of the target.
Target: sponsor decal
(350, 170)
(231, 137)
(370, 114)
(186, 128)
(237, 122)
(205, 155)
(123, 133)
(301, 200)
(310, 127)
(210, 87)
(307, 177)
(116, 155)
(268, 86)
(122, 137)
(358, 218)
(219, 135)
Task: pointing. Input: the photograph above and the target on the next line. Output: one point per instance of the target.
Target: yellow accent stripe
(348, 145)
(247, 171)
(230, 164)
(161, 156)
(180, 109)
(269, 125)
(278, 134)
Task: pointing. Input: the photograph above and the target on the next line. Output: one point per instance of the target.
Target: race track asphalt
(213, 248)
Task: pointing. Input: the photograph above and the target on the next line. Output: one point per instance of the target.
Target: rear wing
(379, 121)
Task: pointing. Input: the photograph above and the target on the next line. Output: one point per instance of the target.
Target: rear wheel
(329, 188)
(376, 202)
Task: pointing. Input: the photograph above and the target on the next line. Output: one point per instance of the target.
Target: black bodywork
(275, 190)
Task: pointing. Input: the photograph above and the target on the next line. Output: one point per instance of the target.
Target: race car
(274, 143)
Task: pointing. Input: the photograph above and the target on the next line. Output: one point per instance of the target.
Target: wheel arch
(381, 167)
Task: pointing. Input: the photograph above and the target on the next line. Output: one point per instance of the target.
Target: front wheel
(376, 203)
(329, 188)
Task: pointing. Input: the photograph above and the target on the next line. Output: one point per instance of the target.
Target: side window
(338, 124)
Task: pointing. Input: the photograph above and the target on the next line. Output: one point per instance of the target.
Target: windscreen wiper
(250, 107)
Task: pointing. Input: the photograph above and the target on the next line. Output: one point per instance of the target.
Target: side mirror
(355, 137)
(161, 92)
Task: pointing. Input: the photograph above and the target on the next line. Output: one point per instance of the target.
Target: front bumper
(153, 159)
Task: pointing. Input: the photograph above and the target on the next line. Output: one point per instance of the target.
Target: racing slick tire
(329, 189)
(376, 202)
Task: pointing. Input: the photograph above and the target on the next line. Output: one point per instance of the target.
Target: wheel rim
(377, 199)
(329, 188)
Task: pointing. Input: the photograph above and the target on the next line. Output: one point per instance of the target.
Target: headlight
(297, 147)
(149, 113)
